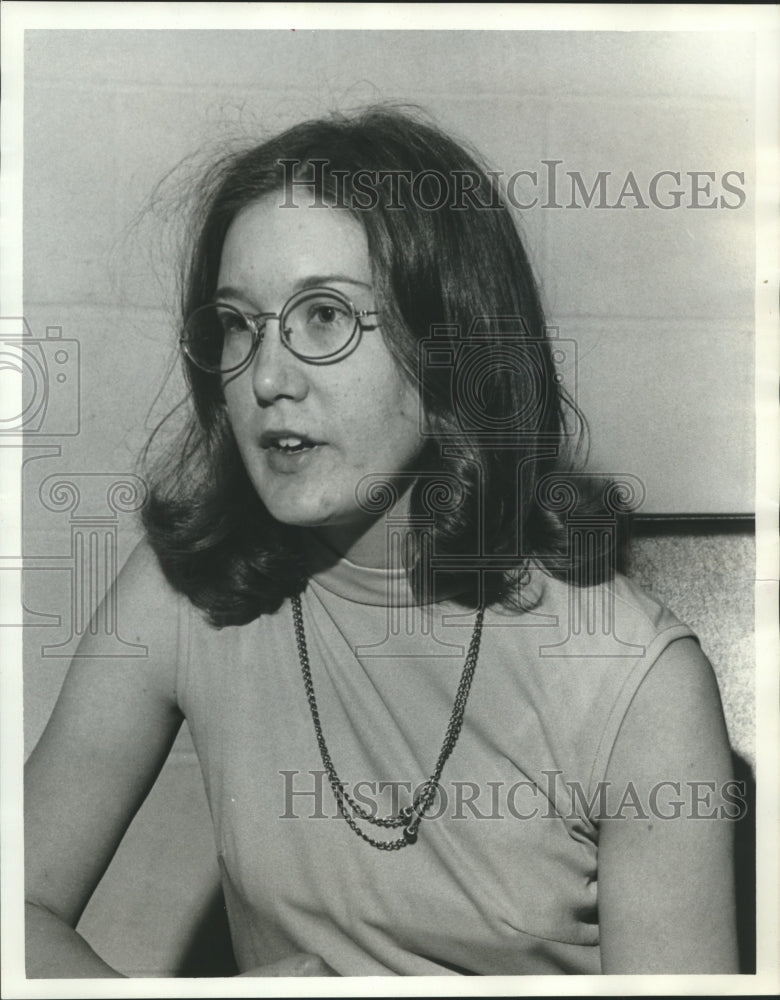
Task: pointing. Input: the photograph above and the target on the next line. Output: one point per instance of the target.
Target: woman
(362, 587)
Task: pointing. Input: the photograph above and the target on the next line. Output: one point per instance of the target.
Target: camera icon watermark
(497, 380)
(48, 374)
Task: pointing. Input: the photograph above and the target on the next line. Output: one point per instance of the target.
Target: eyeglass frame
(256, 323)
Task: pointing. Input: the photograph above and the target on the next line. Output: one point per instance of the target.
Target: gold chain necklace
(410, 817)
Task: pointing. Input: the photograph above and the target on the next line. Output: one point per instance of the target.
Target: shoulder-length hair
(461, 315)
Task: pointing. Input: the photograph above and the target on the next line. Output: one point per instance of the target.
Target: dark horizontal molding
(704, 524)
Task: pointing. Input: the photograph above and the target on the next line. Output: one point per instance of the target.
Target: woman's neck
(363, 547)
(367, 542)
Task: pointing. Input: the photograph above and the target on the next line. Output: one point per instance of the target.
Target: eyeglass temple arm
(360, 313)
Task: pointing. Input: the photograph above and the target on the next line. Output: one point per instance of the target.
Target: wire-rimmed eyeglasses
(318, 325)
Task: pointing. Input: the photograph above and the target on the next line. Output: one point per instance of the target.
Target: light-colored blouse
(503, 878)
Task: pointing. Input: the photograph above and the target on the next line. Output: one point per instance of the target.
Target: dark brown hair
(461, 314)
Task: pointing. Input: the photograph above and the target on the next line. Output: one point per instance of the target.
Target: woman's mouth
(292, 445)
(287, 451)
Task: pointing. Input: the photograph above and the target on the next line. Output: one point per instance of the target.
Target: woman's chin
(298, 518)
(300, 513)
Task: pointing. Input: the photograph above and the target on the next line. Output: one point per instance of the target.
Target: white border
(764, 20)
(395, 16)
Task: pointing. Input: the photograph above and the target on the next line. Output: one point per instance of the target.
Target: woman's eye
(319, 325)
(327, 314)
(231, 325)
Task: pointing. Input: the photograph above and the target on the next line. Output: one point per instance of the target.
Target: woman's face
(357, 416)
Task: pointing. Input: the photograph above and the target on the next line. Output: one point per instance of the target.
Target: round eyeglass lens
(318, 324)
(218, 338)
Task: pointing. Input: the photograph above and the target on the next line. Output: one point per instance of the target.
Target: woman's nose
(276, 373)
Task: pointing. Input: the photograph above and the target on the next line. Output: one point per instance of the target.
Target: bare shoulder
(148, 618)
(111, 729)
(145, 599)
(122, 693)
(675, 719)
(666, 900)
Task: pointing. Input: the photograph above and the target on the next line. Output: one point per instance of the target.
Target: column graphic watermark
(94, 503)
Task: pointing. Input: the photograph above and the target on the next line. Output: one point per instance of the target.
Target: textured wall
(659, 301)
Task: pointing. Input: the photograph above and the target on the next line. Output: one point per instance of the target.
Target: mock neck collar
(385, 587)
(360, 584)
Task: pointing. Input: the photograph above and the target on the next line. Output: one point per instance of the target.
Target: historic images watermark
(307, 795)
(550, 186)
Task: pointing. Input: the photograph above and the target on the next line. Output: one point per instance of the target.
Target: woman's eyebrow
(228, 292)
(310, 281)
(314, 280)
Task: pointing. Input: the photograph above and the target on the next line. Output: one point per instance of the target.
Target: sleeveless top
(503, 879)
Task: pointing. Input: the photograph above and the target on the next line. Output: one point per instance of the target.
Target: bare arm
(106, 741)
(666, 887)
